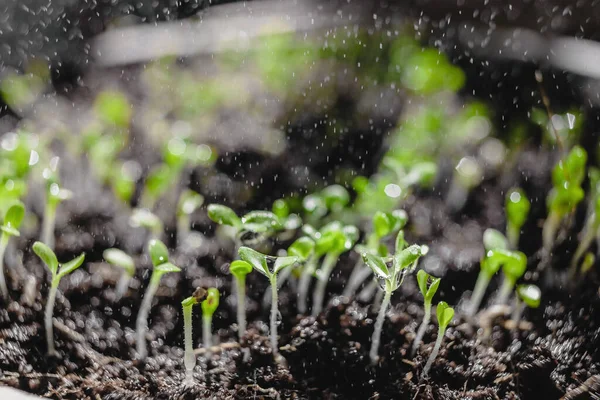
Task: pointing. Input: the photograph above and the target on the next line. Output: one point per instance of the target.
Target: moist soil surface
(551, 354)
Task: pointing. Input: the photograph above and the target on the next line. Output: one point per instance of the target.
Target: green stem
(48, 222)
(274, 311)
(481, 285)
(375, 339)
(304, 283)
(207, 333)
(505, 290)
(549, 229)
(241, 306)
(142, 317)
(325, 272)
(436, 350)
(48, 316)
(590, 230)
(122, 286)
(190, 357)
(183, 227)
(3, 243)
(422, 328)
(513, 233)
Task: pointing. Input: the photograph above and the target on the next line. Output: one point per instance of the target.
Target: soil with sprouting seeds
(550, 355)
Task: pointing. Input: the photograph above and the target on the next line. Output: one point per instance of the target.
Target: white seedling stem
(436, 350)
(422, 329)
(241, 306)
(142, 318)
(190, 357)
(482, 283)
(48, 223)
(48, 317)
(122, 286)
(376, 338)
(357, 277)
(274, 312)
(319, 295)
(207, 333)
(505, 291)
(304, 284)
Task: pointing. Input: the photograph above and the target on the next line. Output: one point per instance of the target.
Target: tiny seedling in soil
(517, 210)
(160, 261)
(445, 313)
(239, 269)
(143, 218)
(527, 295)
(54, 196)
(46, 254)
(428, 285)
(122, 260)
(209, 306)
(514, 264)
(189, 359)
(402, 262)
(253, 228)
(10, 227)
(261, 264)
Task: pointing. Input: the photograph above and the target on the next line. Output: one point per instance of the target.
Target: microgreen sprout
(494, 239)
(54, 196)
(189, 202)
(239, 269)
(189, 359)
(467, 175)
(254, 227)
(445, 313)
(268, 266)
(428, 285)
(403, 261)
(160, 261)
(10, 227)
(122, 260)
(331, 199)
(514, 264)
(143, 218)
(159, 180)
(209, 306)
(527, 295)
(592, 223)
(517, 210)
(58, 271)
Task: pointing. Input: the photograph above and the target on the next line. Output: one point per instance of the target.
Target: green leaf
(377, 265)
(283, 262)
(209, 306)
(428, 292)
(281, 208)
(302, 248)
(261, 221)
(13, 218)
(517, 207)
(336, 197)
(400, 243)
(314, 205)
(256, 259)
(47, 255)
(189, 302)
(530, 295)
(515, 265)
(422, 278)
(407, 257)
(351, 234)
(382, 224)
(445, 313)
(494, 239)
(240, 268)
(165, 268)
(421, 174)
(330, 242)
(399, 220)
(189, 202)
(159, 254)
(120, 259)
(145, 219)
(223, 215)
(71, 266)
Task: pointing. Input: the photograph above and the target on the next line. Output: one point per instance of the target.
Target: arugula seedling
(10, 227)
(527, 295)
(239, 269)
(209, 306)
(514, 264)
(445, 313)
(189, 359)
(428, 285)
(58, 271)
(268, 266)
(160, 261)
(143, 218)
(517, 210)
(122, 260)
(252, 228)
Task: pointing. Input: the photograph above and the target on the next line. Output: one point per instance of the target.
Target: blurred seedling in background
(161, 265)
(55, 195)
(209, 306)
(124, 177)
(428, 285)
(514, 265)
(58, 271)
(189, 202)
(143, 218)
(122, 260)
(268, 266)
(445, 313)
(10, 227)
(403, 261)
(329, 201)
(468, 174)
(527, 296)
(517, 209)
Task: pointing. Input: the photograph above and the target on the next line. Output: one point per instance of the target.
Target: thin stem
(304, 284)
(358, 276)
(3, 243)
(48, 222)
(436, 350)
(368, 291)
(481, 285)
(207, 333)
(48, 317)
(274, 312)
(241, 306)
(122, 286)
(505, 291)
(588, 236)
(549, 229)
(378, 297)
(183, 227)
(319, 295)
(513, 233)
(517, 314)
(189, 358)
(142, 318)
(422, 329)
(283, 277)
(373, 354)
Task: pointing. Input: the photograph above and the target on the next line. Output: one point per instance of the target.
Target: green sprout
(209, 306)
(514, 264)
(383, 224)
(445, 313)
(268, 266)
(494, 239)
(517, 210)
(428, 285)
(143, 218)
(54, 196)
(239, 269)
(157, 183)
(10, 227)
(122, 260)
(527, 295)
(189, 202)
(331, 200)
(124, 177)
(189, 359)
(591, 228)
(567, 176)
(468, 174)
(335, 239)
(160, 261)
(113, 108)
(403, 261)
(58, 271)
(252, 228)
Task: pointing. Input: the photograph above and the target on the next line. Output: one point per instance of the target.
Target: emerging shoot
(189, 359)
(517, 210)
(209, 306)
(428, 285)
(527, 295)
(160, 261)
(120, 259)
(514, 264)
(46, 254)
(54, 196)
(10, 227)
(239, 269)
(445, 313)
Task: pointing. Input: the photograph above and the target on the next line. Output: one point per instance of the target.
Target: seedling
(159, 180)
(268, 266)
(428, 285)
(160, 261)
(122, 260)
(335, 240)
(10, 227)
(527, 295)
(517, 210)
(403, 261)
(467, 175)
(239, 269)
(209, 306)
(58, 271)
(252, 228)
(514, 264)
(331, 199)
(189, 359)
(493, 239)
(445, 313)
(143, 218)
(592, 223)
(189, 202)
(54, 196)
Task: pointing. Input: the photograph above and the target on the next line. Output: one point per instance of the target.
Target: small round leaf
(240, 268)
(223, 215)
(159, 254)
(120, 259)
(445, 313)
(47, 255)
